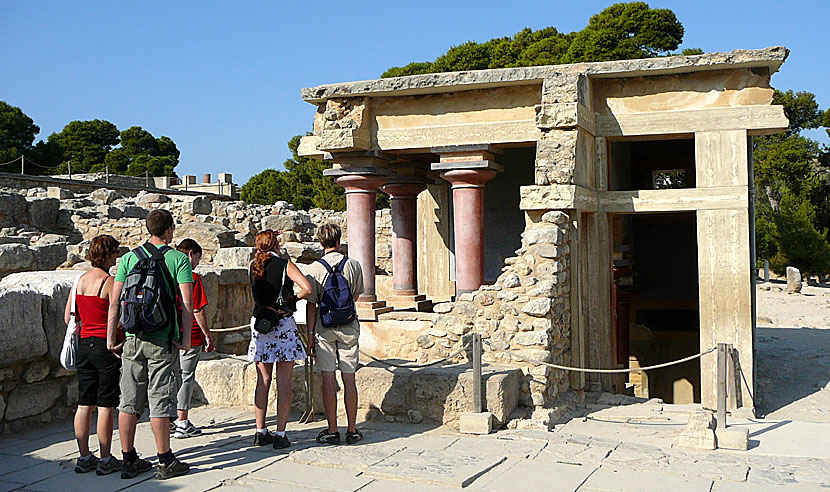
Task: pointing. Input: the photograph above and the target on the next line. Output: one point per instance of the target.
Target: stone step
(438, 394)
(373, 313)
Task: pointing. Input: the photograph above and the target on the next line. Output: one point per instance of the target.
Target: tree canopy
(141, 152)
(621, 31)
(17, 132)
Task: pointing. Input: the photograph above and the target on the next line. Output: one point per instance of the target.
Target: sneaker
(326, 437)
(189, 431)
(353, 437)
(174, 469)
(281, 442)
(86, 464)
(129, 469)
(263, 439)
(108, 465)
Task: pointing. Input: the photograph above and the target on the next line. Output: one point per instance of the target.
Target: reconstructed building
(594, 214)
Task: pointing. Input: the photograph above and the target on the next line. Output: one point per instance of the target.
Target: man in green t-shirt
(148, 362)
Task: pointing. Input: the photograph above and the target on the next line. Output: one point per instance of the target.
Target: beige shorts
(337, 350)
(148, 375)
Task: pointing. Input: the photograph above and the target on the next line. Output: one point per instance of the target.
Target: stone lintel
(309, 147)
(465, 148)
(344, 140)
(564, 116)
(558, 197)
(477, 165)
(434, 83)
(756, 120)
(363, 171)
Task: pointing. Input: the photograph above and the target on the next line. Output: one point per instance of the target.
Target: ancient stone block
(443, 307)
(532, 338)
(544, 235)
(464, 309)
(49, 256)
(475, 423)
(699, 432)
(557, 115)
(105, 196)
(12, 209)
(59, 193)
(43, 212)
(210, 237)
(304, 252)
(509, 280)
(14, 257)
(21, 326)
(793, 280)
(732, 438)
(150, 198)
(223, 381)
(201, 205)
(537, 307)
(36, 371)
(32, 399)
(237, 257)
(549, 251)
(555, 217)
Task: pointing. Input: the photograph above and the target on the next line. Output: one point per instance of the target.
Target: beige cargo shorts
(338, 349)
(148, 375)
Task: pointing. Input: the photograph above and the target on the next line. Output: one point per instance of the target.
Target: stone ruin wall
(44, 237)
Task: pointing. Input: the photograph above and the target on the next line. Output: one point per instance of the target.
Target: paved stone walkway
(627, 448)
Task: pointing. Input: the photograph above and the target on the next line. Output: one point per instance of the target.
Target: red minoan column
(468, 214)
(404, 198)
(360, 222)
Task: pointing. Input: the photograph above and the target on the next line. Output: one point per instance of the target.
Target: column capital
(361, 183)
(403, 189)
(468, 178)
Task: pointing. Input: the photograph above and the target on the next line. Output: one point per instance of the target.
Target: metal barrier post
(722, 353)
(477, 406)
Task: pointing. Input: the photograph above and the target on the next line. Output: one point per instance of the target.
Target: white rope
(602, 371)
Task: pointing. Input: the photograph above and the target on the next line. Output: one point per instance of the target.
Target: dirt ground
(793, 352)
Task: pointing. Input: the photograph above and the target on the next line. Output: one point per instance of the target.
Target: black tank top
(266, 289)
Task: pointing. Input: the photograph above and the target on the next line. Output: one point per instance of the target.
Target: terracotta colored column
(468, 214)
(360, 220)
(404, 198)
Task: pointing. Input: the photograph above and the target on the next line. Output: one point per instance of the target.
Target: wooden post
(21, 164)
(766, 270)
(107, 169)
(69, 169)
(477, 406)
(721, 385)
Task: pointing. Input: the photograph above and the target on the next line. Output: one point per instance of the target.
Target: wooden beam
(756, 120)
(676, 200)
(458, 134)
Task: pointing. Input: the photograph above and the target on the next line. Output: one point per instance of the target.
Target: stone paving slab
(351, 457)
(397, 486)
(576, 450)
(606, 479)
(788, 470)
(9, 486)
(195, 480)
(502, 447)
(11, 463)
(434, 467)
(71, 481)
(297, 474)
(754, 487)
(525, 475)
(713, 465)
(39, 472)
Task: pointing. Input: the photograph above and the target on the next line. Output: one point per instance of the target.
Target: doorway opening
(656, 302)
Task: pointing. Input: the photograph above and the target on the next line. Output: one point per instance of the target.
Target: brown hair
(100, 248)
(189, 246)
(158, 221)
(266, 242)
(329, 235)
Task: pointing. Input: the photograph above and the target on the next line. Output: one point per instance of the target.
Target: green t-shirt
(179, 267)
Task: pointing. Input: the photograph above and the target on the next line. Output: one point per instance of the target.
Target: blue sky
(222, 79)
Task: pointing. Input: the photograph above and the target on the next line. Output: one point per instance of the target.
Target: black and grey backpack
(146, 304)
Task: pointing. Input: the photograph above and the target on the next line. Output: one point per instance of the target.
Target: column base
(370, 310)
(403, 302)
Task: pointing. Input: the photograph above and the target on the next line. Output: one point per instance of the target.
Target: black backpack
(336, 304)
(146, 305)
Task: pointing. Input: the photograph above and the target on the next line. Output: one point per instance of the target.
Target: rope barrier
(418, 366)
(601, 371)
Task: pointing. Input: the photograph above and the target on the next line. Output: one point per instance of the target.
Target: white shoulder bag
(69, 352)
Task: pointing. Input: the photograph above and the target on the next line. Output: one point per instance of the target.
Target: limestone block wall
(527, 311)
(34, 388)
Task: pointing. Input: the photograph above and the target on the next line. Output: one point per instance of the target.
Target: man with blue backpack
(336, 281)
(152, 280)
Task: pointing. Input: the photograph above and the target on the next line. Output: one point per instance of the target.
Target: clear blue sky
(222, 79)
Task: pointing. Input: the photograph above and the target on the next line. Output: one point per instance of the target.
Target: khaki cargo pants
(148, 374)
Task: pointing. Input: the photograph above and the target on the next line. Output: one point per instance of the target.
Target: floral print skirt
(280, 345)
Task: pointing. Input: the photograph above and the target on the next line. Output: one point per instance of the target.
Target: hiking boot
(353, 437)
(281, 442)
(326, 437)
(189, 431)
(174, 469)
(86, 464)
(108, 465)
(129, 469)
(263, 439)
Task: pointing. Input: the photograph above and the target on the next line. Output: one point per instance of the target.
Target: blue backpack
(337, 304)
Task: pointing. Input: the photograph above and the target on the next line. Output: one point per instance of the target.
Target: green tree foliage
(17, 132)
(141, 153)
(793, 200)
(86, 144)
(622, 31)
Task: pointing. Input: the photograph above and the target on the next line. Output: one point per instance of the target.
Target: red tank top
(92, 313)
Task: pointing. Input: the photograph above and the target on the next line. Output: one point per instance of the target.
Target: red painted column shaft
(468, 215)
(404, 198)
(360, 223)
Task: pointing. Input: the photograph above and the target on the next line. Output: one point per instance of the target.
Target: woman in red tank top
(98, 369)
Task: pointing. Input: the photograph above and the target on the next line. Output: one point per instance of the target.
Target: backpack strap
(158, 254)
(340, 266)
(325, 265)
(103, 282)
